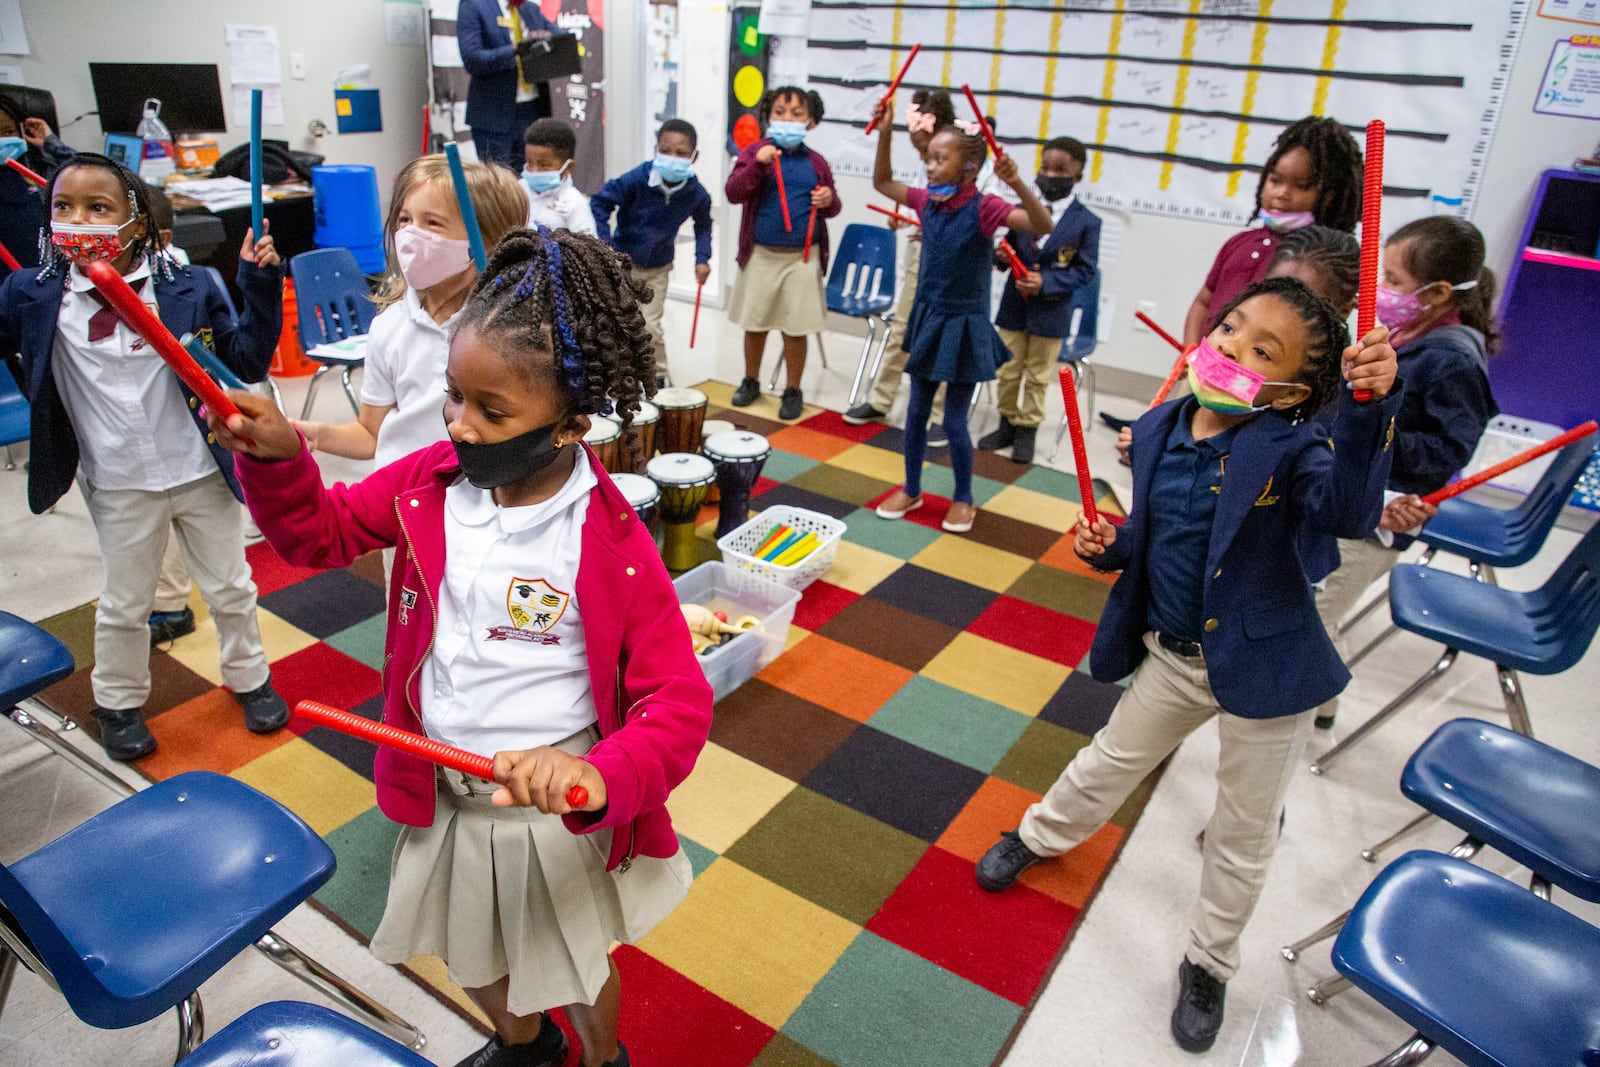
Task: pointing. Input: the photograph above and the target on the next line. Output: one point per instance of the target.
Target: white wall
(66, 35)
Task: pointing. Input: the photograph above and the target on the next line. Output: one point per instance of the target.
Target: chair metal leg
(1327, 989)
(1511, 694)
(191, 1025)
(1086, 383)
(11, 464)
(311, 391)
(866, 358)
(349, 390)
(1414, 1051)
(1438, 670)
(274, 393)
(8, 970)
(777, 369)
(1061, 433)
(1322, 933)
(1388, 632)
(822, 352)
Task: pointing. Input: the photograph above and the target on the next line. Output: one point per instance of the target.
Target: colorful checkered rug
(932, 688)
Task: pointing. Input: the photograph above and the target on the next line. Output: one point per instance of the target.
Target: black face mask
(1052, 187)
(511, 460)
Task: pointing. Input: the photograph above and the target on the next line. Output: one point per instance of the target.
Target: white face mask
(426, 259)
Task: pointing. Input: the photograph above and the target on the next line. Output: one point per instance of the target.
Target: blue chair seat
(14, 412)
(287, 1033)
(132, 910)
(1530, 801)
(859, 307)
(30, 660)
(1485, 969)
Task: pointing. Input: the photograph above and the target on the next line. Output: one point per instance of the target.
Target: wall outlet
(1149, 308)
(297, 65)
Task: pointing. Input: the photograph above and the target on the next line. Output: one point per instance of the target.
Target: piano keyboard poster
(1179, 101)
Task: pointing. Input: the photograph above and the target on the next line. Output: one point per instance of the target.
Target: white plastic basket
(739, 545)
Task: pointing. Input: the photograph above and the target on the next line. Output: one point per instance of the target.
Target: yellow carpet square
(794, 637)
(873, 462)
(858, 568)
(1041, 509)
(724, 796)
(310, 783)
(200, 653)
(976, 564)
(750, 941)
(1019, 680)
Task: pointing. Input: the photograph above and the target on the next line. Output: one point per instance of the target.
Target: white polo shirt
(406, 356)
(509, 667)
(133, 425)
(562, 208)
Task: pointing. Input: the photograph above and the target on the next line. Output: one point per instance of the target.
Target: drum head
(647, 413)
(740, 444)
(602, 430)
(711, 427)
(639, 491)
(680, 397)
(680, 468)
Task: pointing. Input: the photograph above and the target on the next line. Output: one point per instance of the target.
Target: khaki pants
(1360, 564)
(1032, 360)
(656, 279)
(172, 589)
(1169, 698)
(133, 528)
(887, 383)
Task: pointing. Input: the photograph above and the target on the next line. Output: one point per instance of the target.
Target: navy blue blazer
(1067, 261)
(189, 303)
(648, 221)
(491, 59)
(1266, 651)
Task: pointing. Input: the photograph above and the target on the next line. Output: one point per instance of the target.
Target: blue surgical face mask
(786, 134)
(943, 191)
(543, 181)
(1286, 221)
(673, 169)
(12, 148)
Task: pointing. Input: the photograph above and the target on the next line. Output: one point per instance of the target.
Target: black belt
(1190, 649)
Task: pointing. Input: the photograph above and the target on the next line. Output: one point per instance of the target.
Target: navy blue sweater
(648, 219)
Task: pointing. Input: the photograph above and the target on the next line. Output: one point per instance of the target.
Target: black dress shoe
(998, 438)
(123, 733)
(1114, 422)
(746, 394)
(1198, 1014)
(549, 1049)
(264, 709)
(170, 625)
(792, 405)
(1004, 863)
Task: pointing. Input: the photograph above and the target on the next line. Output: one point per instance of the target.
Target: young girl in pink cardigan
(529, 617)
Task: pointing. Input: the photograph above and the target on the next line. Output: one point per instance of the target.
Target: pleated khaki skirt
(776, 291)
(497, 891)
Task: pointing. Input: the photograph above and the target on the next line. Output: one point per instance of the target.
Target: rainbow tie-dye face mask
(1222, 385)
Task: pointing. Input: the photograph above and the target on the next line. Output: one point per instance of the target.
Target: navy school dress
(950, 333)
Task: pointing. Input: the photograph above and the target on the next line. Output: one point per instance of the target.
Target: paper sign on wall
(1571, 10)
(1571, 83)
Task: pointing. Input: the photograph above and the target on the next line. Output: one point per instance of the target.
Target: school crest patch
(535, 606)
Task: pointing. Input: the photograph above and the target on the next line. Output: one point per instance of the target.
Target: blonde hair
(497, 197)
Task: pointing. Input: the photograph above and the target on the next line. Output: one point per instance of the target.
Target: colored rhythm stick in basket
(898, 78)
(895, 215)
(1080, 455)
(447, 756)
(1371, 237)
(131, 310)
(469, 215)
(1577, 433)
(256, 210)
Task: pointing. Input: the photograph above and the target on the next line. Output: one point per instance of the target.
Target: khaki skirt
(497, 891)
(776, 291)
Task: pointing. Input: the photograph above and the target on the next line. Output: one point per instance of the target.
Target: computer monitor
(190, 95)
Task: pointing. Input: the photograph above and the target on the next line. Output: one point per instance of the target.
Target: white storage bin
(736, 593)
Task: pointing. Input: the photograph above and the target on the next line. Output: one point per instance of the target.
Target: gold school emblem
(535, 606)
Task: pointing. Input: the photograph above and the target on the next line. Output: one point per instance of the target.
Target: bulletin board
(1179, 101)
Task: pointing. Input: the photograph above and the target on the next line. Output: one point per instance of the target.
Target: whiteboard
(1179, 101)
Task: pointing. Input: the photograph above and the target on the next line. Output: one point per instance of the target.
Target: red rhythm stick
(1173, 375)
(1080, 455)
(893, 215)
(811, 225)
(783, 194)
(1371, 238)
(694, 324)
(1163, 334)
(1018, 271)
(898, 78)
(448, 756)
(983, 123)
(22, 169)
(8, 259)
(126, 303)
(1577, 433)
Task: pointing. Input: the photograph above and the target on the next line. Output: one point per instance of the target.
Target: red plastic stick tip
(577, 797)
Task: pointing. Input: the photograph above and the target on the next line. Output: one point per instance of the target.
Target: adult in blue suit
(499, 105)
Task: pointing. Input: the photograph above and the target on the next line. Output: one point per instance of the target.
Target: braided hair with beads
(138, 193)
(1335, 169)
(564, 308)
(1322, 363)
(1334, 254)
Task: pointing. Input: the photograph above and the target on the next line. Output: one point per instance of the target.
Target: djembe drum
(684, 479)
(710, 428)
(641, 436)
(641, 494)
(605, 437)
(737, 459)
(682, 413)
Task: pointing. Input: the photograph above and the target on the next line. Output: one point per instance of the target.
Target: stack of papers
(217, 194)
(351, 348)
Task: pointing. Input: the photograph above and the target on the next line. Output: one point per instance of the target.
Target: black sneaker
(792, 407)
(123, 733)
(1004, 862)
(549, 1049)
(937, 437)
(1022, 444)
(170, 625)
(1000, 437)
(1198, 1014)
(622, 1057)
(862, 414)
(1323, 722)
(264, 709)
(746, 394)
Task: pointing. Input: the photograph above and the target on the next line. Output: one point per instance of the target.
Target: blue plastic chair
(1477, 965)
(15, 414)
(334, 304)
(31, 660)
(128, 913)
(1076, 348)
(860, 285)
(1543, 631)
(288, 1033)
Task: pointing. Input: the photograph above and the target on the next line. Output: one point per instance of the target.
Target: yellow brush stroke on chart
(999, 50)
(1049, 87)
(1330, 55)
(1241, 136)
(894, 37)
(949, 40)
(1175, 124)
(1108, 85)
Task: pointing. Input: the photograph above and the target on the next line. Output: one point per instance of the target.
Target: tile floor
(1112, 991)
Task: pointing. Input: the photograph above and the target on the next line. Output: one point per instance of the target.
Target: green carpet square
(1052, 482)
(954, 724)
(700, 857)
(1047, 587)
(841, 484)
(784, 466)
(881, 1005)
(358, 889)
(363, 641)
(1039, 756)
(894, 537)
(819, 849)
(941, 481)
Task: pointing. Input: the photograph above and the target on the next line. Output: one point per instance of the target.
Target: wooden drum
(682, 413)
(642, 495)
(641, 436)
(605, 437)
(684, 480)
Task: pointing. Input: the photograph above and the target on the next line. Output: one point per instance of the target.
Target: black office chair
(34, 103)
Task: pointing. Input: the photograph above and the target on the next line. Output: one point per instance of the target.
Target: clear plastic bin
(721, 587)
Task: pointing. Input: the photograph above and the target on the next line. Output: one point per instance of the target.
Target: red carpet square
(269, 570)
(821, 602)
(324, 674)
(668, 1019)
(831, 422)
(1045, 633)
